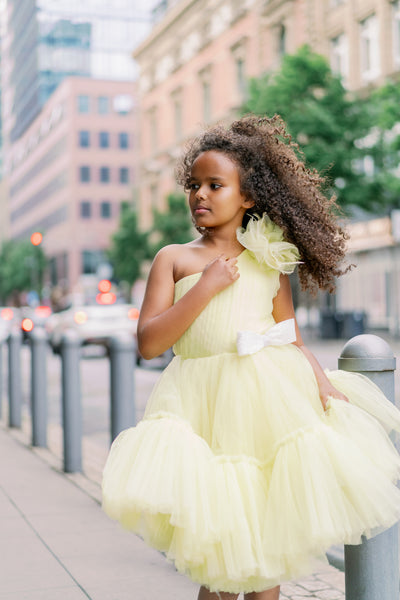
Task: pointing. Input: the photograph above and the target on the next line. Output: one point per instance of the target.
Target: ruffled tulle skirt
(238, 475)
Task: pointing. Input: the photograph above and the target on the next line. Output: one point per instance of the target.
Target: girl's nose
(200, 193)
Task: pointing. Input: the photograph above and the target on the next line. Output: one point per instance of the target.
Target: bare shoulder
(180, 259)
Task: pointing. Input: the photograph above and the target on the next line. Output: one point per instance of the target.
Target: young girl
(250, 460)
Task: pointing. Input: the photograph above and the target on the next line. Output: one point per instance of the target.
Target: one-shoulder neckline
(200, 272)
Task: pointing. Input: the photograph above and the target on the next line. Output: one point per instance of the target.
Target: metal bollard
(38, 343)
(14, 378)
(71, 401)
(122, 361)
(1, 378)
(372, 568)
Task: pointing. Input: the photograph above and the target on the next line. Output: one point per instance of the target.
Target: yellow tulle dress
(236, 472)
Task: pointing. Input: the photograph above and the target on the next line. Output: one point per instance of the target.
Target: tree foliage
(382, 144)
(174, 225)
(322, 117)
(22, 267)
(129, 247)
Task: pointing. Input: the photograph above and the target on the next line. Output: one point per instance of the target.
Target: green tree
(321, 116)
(22, 267)
(382, 144)
(174, 225)
(129, 247)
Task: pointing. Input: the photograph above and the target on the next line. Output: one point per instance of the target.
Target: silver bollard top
(70, 337)
(38, 333)
(122, 340)
(367, 352)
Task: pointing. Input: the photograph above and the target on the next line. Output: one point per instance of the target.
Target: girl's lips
(200, 210)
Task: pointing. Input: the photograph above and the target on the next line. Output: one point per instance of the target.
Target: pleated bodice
(246, 304)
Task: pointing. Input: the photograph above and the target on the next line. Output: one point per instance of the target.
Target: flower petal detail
(265, 240)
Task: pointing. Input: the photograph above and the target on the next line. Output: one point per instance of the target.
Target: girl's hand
(328, 391)
(220, 273)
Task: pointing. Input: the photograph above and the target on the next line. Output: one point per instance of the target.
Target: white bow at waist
(249, 342)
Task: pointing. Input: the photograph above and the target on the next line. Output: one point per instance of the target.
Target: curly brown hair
(273, 174)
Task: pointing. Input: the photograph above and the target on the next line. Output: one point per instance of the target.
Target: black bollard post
(71, 401)
(14, 378)
(38, 342)
(122, 362)
(372, 568)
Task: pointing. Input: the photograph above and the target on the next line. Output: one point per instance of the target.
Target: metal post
(1, 378)
(372, 568)
(71, 401)
(122, 361)
(38, 342)
(14, 378)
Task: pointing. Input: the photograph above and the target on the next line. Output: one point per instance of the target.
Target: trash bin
(353, 323)
(328, 326)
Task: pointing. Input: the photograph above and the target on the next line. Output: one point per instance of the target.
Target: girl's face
(215, 198)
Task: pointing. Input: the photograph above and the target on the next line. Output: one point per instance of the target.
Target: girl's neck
(227, 244)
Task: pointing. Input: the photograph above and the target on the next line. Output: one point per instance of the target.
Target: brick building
(195, 63)
(69, 172)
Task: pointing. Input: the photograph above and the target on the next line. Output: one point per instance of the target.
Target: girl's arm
(283, 309)
(161, 322)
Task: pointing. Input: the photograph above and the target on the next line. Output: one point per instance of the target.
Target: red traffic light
(36, 238)
(104, 286)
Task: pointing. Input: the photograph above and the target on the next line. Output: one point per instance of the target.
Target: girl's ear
(248, 203)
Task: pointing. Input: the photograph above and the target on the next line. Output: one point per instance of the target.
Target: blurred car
(9, 317)
(31, 317)
(95, 324)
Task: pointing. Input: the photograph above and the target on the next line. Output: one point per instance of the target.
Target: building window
(84, 174)
(282, 42)
(154, 195)
(124, 175)
(103, 105)
(84, 139)
(123, 140)
(340, 56)
(178, 118)
(85, 209)
(83, 104)
(105, 174)
(104, 139)
(369, 48)
(105, 210)
(91, 259)
(153, 129)
(206, 90)
(241, 83)
(396, 33)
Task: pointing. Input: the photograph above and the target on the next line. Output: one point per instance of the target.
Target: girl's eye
(194, 186)
(215, 186)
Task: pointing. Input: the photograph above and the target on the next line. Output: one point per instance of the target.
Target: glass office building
(49, 40)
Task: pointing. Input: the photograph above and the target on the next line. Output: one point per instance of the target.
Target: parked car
(9, 317)
(95, 324)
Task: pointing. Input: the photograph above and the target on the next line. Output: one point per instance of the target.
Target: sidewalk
(57, 544)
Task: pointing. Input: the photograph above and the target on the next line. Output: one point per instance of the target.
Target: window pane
(123, 140)
(84, 174)
(105, 210)
(86, 209)
(104, 139)
(103, 105)
(83, 104)
(124, 175)
(104, 174)
(84, 139)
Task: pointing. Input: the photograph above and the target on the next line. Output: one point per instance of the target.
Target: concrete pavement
(57, 544)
